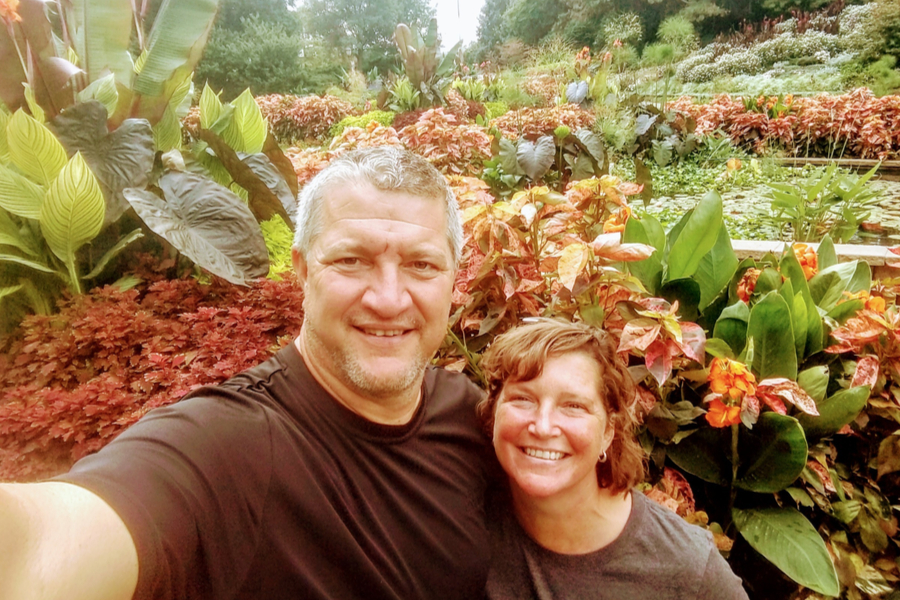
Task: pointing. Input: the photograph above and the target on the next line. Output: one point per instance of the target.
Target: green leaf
(207, 223)
(167, 131)
(176, 43)
(687, 293)
(772, 454)
(716, 268)
(731, 326)
(20, 196)
(246, 129)
(719, 348)
(72, 214)
(10, 235)
(26, 262)
(799, 323)
(103, 35)
(769, 279)
(103, 91)
(704, 454)
(649, 270)
(828, 285)
(119, 159)
(210, 107)
(4, 145)
(508, 159)
(790, 542)
(536, 158)
(591, 144)
(9, 290)
(773, 338)
(835, 411)
(827, 256)
(696, 238)
(113, 252)
(814, 382)
(34, 149)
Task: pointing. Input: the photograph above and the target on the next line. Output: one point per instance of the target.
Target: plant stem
(735, 463)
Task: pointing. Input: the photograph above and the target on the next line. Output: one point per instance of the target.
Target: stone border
(879, 257)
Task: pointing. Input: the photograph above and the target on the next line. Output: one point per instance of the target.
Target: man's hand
(59, 540)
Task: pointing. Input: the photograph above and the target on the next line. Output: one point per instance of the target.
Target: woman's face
(549, 432)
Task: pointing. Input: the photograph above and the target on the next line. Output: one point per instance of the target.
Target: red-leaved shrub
(74, 380)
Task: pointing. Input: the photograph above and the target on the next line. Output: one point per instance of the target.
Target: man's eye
(349, 261)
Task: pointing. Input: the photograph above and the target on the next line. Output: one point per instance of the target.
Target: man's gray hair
(386, 168)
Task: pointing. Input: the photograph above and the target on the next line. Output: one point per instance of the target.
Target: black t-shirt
(266, 487)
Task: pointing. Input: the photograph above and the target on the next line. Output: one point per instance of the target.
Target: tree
(490, 27)
(364, 30)
(531, 20)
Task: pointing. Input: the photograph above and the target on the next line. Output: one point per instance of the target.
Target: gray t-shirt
(658, 556)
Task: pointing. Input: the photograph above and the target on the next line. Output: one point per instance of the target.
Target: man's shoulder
(447, 389)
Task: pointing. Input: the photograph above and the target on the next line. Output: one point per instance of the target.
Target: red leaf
(788, 390)
(866, 372)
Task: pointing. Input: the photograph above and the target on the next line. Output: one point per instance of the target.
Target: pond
(745, 211)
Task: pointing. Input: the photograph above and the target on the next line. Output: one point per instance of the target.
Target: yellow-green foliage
(382, 117)
(278, 238)
(495, 109)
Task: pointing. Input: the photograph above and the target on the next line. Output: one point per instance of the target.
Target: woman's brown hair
(520, 354)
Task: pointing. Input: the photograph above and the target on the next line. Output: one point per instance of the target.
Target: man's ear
(300, 267)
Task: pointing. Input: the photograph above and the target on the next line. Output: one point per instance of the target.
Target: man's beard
(354, 375)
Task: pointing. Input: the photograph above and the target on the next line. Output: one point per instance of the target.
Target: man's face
(377, 282)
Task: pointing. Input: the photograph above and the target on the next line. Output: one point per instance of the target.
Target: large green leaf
(649, 270)
(814, 382)
(103, 91)
(26, 262)
(72, 214)
(536, 158)
(120, 159)
(11, 235)
(176, 43)
(716, 268)
(788, 540)
(19, 195)
(113, 252)
(773, 338)
(697, 237)
(102, 38)
(243, 127)
(210, 107)
(704, 454)
(835, 411)
(772, 454)
(828, 285)
(167, 131)
(687, 293)
(4, 145)
(206, 222)
(826, 254)
(34, 149)
(731, 326)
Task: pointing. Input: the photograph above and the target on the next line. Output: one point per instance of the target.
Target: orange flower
(808, 260)
(733, 164)
(722, 415)
(616, 223)
(9, 11)
(747, 284)
(731, 379)
(876, 304)
(789, 99)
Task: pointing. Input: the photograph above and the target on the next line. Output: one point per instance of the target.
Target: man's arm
(58, 540)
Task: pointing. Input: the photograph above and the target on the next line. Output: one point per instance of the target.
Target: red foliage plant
(73, 381)
(532, 123)
(302, 118)
(856, 124)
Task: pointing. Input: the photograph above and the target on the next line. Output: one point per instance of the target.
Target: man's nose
(387, 293)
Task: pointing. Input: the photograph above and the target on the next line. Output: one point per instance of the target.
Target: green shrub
(679, 33)
(279, 239)
(495, 109)
(382, 117)
(658, 54)
(264, 57)
(624, 26)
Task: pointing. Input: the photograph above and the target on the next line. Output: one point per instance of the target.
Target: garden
(604, 175)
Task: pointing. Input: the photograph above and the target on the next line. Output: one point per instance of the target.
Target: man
(344, 467)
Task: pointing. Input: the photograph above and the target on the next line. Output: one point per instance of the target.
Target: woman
(560, 411)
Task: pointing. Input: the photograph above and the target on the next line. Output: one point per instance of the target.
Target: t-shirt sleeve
(190, 483)
(719, 581)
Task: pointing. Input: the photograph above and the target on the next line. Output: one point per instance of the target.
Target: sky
(454, 26)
